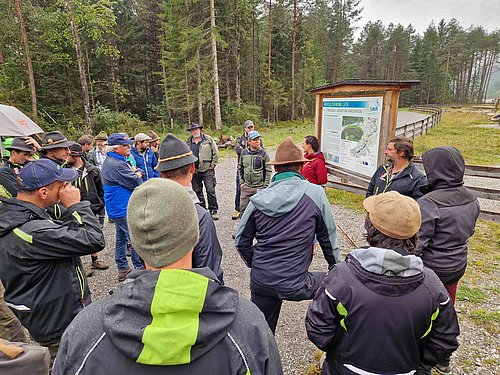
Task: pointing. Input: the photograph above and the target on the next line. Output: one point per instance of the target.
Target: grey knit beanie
(162, 222)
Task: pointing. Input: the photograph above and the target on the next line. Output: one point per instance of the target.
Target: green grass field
(478, 145)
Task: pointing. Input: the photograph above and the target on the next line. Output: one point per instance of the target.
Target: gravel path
(296, 350)
(405, 117)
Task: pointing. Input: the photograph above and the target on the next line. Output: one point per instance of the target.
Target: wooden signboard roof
(363, 86)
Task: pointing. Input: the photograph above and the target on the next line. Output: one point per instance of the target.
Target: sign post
(354, 122)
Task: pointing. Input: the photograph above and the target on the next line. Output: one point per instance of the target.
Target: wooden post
(318, 126)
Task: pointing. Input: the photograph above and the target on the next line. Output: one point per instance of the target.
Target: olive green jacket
(209, 153)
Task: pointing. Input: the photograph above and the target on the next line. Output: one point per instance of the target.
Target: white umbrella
(14, 123)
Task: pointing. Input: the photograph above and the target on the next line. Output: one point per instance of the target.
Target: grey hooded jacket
(284, 218)
(449, 212)
(169, 322)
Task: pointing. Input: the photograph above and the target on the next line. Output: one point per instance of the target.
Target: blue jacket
(284, 218)
(119, 181)
(147, 162)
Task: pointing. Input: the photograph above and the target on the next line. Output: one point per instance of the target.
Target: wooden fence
(358, 184)
(415, 129)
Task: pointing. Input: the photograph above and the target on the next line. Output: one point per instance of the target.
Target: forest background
(82, 66)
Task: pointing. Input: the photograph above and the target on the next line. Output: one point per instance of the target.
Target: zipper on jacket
(81, 282)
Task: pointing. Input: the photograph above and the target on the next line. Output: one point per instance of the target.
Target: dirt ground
(479, 350)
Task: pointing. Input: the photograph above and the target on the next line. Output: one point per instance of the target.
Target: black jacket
(179, 322)
(383, 313)
(89, 182)
(207, 252)
(407, 182)
(8, 174)
(45, 284)
(449, 212)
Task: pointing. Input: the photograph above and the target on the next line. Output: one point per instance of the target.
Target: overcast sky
(421, 12)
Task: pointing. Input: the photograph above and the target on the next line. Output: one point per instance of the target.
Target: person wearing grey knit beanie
(169, 318)
(162, 222)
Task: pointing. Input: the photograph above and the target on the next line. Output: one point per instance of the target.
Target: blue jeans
(121, 246)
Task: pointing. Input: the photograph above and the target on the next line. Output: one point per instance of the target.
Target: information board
(350, 132)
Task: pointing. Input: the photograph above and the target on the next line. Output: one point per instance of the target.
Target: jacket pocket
(257, 163)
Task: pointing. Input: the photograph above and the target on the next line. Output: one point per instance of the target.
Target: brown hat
(287, 153)
(153, 135)
(102, 136)
(393, 214)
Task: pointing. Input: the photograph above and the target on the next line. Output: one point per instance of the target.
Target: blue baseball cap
(43, 172)
(116, 139)
(253, 134)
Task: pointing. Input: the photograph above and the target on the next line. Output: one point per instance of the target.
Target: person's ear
(192, 169)
(43, 192)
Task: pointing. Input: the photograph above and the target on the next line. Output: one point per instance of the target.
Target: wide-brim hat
(55, 139)
(19, 143)
(102, 136)
(174, 153)
(393, 214)
(287, 153)
(194, 125)
(76, 149)
(153, 135)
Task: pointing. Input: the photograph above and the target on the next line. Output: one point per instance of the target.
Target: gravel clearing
(295, 349)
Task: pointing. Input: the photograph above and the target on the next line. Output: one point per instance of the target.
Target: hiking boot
(122, 275)
(214, 215)
(99, 265)
(443, 369)
(89, 273)
(236, 215)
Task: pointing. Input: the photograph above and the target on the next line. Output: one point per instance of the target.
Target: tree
(81, 69)
(215, 69)
(29, 66)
